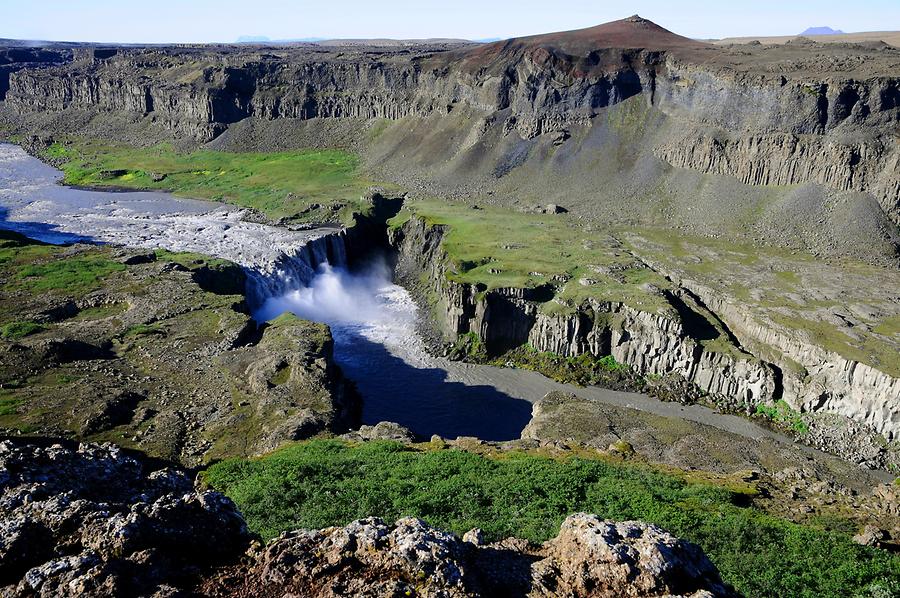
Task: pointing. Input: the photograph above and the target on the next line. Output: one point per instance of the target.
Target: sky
(163, 21)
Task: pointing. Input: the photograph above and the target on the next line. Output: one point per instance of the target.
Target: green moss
(280, 184)
(9, 404)
(188, 259)
(583, 370)
(282, 375)
(323, 483)
(889, 326)
(469, 346)
(144, 330)
(14, 330)
(72, 274)
(102, 311)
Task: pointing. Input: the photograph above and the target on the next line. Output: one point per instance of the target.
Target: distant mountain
(822, 31)
(262, 39)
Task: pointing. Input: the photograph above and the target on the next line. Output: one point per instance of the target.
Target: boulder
(91, 520)
(368, 557)
(382, 431)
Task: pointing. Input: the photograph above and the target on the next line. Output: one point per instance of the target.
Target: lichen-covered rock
(369, 557)
(366, 558)
(94, 521)
(382, 431)
(592, 557)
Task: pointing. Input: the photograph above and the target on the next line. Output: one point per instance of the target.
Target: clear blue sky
(225, 20)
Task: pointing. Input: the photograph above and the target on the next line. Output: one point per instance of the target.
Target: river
(372, 319)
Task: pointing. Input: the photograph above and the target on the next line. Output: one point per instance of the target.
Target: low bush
(328, 482)
(14, 330)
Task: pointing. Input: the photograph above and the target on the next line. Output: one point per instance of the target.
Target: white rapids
(32, 202)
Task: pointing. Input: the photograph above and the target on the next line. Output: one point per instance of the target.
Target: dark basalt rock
(91, 520)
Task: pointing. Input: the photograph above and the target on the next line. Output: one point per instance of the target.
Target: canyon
(706, 236)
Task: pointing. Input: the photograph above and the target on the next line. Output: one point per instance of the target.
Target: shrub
(14, 330)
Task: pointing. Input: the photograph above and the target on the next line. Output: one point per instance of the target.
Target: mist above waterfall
(342, 298)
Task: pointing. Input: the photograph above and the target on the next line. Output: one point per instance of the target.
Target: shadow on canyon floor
(423, 400)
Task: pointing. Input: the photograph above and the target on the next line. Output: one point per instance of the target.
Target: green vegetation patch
(9, 404)
(139, 330)
(582, 370)
(280, 184)
(74, 274)
(500, 248)
(323, 483)
(14, 330)
(102, 311)
(37, 267)
(783, 415)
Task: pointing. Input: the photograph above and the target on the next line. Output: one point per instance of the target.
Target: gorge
(564, 297)
(373, 320)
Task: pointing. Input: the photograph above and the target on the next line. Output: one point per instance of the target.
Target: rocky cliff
(750, 364)
(93, 521)
(828, 382)
(781, 115)
(160, 354)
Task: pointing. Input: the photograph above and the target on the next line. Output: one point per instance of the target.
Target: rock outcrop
(92, 521)
(829, 382)
(749, 367)
(162, 355)
(589, 557)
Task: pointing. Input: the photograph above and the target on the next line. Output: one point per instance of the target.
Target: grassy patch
(889, 326)
(189, 259)
(469, 346)
(323, 483)
(73, 274)
(144, 330)
(280, 184)
(783, 415)
(102, 311)
(14, 330)
(583, 370)
(9, 405)
(499, 248)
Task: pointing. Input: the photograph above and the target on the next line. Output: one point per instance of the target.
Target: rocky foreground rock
(368, 557)
(92, 520)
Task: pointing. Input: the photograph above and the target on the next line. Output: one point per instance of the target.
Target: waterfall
(295, 269)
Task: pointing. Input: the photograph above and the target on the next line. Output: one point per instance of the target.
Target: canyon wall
(651, 343)
(751, 372)
(837, 132)
(759, 126)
